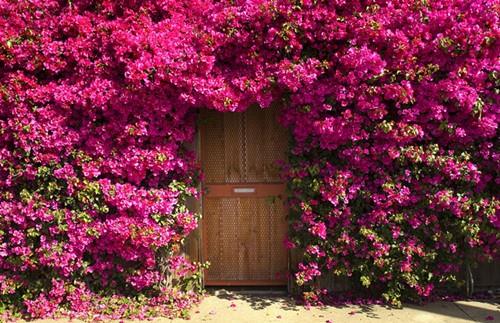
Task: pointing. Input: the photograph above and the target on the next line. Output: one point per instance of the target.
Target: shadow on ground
(257, 299)
(482, 311)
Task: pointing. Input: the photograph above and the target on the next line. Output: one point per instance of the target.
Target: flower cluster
(393, 107)
(94, 174)
(394, 168)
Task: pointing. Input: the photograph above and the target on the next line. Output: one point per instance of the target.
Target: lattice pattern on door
(243, 147)
(248, 235)
(243, 232)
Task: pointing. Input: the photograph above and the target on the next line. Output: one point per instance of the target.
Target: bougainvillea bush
(94, 173)
(394, 169)
(392, 106)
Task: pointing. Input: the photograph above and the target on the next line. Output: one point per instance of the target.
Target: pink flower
(318, 229)
(288, 243)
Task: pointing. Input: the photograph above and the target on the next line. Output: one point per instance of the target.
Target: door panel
(266, 142)
(244, 219)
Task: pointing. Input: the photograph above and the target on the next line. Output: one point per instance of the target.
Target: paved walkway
(244, 308)
(240, 307)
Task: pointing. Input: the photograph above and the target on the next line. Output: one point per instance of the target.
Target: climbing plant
(393, 172)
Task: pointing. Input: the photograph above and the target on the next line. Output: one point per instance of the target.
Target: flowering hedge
(394, 170)
(393, 107)
(94, 173)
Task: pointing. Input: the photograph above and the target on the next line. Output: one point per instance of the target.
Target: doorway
(244, 216)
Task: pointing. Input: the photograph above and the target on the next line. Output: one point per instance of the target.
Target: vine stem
(469, 280)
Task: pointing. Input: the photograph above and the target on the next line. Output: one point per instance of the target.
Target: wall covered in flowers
(393, 108)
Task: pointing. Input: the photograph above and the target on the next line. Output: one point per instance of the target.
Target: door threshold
(248, 290)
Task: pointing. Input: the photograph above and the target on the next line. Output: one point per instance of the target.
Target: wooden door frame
(202, 230)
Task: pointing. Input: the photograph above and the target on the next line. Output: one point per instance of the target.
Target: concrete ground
(243, 307)
(247, 308)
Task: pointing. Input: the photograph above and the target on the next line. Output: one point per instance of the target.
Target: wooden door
(244, 218)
